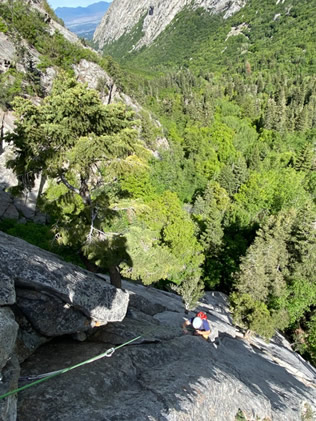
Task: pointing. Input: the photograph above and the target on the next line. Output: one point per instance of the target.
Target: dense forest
(237, 98)
(220, 194)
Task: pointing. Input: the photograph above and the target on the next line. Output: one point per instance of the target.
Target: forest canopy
(220, 194)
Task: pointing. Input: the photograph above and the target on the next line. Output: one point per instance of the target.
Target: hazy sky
(73, 3)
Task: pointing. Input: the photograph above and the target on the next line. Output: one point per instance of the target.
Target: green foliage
(276, 282)
(268, 70)
(270, 191)
(22, 22)
(171, 171)
(229, 203)
(83, 147)
(176, 230)
(151, 260)
(311, 340)
(10, 86)
(208, 148)
(71, 126)
(169, 46)
(150, 129)
(126, 42)
(199, 40)
(51, 13)
(137, 184)
(98, 172)
(41, 236)
(161, 244)
(239, 116)
(302, 280)
(240, 416)
(191, 290)
(209, 211)
(3, 26)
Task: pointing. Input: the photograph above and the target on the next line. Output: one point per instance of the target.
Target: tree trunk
(115, 277)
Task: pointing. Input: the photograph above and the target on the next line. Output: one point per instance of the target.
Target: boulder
(28, 339)
(11, 212)
(36, 269)
(5, 202)
(8, 333)
(49, 315)
(7, 290)
(9, 381)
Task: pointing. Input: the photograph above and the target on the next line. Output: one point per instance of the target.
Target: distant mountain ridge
(151, 17)
(83, 20)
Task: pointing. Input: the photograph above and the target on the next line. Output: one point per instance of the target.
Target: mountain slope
(83, 20)
(154, 16)
(264, 33)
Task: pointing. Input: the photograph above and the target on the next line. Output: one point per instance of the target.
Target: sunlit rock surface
(123, 15)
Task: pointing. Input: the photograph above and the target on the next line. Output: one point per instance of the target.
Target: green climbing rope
(107, 353)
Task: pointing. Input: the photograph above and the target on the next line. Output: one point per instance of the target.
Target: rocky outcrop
(97, 78)
(36, 269)
(7, 52)
(123, 15)
(42, 297)
(9, 367)
(8, 333)
(52, 24)
(164, 375)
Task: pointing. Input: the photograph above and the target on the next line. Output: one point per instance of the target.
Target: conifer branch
(68, 185)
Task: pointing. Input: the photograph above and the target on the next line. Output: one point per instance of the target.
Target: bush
(40, 236)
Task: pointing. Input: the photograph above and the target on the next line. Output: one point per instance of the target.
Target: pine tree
(261, 290)
(302, 263)
(304, 161)
(74, 140)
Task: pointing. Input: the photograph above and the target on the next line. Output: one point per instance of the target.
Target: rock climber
(200, 325)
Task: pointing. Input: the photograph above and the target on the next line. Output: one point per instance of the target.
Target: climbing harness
(43, 377)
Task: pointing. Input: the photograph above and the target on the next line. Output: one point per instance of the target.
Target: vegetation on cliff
(237, 98)
(230, 203)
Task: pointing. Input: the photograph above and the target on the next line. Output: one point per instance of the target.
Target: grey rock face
(8, 382)
(166, 375)
(5, 202)
(7, 52)
(7, 291)
(59, 299)
(123, 15)
(28, 339)
(49, 315)
(34, 268)
(7, 177)
(8, 333)
(97, 78)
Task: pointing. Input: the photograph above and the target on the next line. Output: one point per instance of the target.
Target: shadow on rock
(164, 376)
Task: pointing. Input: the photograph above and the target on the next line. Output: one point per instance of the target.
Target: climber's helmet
(197, 323)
